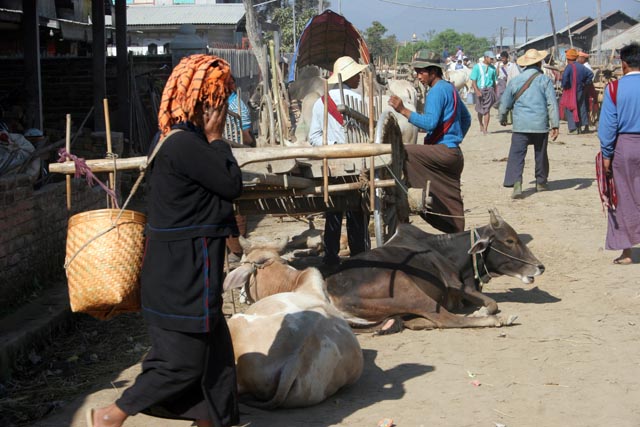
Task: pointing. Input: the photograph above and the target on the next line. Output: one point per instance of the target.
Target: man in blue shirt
(619, 133)
(446, 121)
(532, 98)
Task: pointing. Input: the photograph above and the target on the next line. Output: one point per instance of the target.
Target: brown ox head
(503, 252)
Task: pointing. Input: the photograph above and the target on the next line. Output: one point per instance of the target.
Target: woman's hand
(214, 121)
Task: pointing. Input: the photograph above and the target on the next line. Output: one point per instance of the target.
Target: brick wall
(33, 227)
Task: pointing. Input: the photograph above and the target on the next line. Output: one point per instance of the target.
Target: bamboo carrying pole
(245, 156)
(107, 127)
(372, 171)
(325, 123)
(68, 148)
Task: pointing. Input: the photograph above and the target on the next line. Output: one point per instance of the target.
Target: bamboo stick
(284, 181)
(245, 156)
(372, 169)
(68, 148)
(107, 127)
(314, 190)
(325, 162)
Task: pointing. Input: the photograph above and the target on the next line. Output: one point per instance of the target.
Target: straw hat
(571, 54)
(347, 67)
(426, 59)
(532, 56)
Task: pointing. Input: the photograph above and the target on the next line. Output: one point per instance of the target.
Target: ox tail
(287, 377)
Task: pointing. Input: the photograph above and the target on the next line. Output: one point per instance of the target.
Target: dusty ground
(572, 359)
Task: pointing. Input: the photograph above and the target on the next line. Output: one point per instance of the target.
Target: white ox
(292, 349)
(460, 79)
(406, 91)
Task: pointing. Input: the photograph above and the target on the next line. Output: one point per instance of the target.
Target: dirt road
(572, 359)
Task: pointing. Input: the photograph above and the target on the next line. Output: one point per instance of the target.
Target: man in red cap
(573, 104)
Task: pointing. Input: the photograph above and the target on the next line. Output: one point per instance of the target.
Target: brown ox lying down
(417, 274)
(292, 349)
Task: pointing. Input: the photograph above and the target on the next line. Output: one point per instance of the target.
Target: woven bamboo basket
(103, 261)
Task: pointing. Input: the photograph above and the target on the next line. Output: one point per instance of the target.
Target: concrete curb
(32, 325)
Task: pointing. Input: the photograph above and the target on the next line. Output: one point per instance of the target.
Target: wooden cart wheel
(266, 123)
(391, 205)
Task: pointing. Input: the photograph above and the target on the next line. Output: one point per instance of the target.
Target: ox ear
(238, 278)
(480, 245)
(494, 218)
(245, 244)
(281, 243)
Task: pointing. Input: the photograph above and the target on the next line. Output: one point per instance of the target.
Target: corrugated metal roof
(565, 29)
(221, 14)
(622, 39)
(604, 18)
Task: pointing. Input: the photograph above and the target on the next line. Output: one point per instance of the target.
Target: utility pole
(553, 30)
(566, 12)
(294, 25)
(526, 21)
(502, 31)
(600, 61)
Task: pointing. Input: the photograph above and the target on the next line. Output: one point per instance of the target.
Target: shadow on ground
(375, 385)
(534, 295)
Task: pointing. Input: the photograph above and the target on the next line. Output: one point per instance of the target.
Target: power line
(458, 9)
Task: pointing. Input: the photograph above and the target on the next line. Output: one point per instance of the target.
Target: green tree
(281, 13)
(379, 46)
(284, 18)
(473, 46)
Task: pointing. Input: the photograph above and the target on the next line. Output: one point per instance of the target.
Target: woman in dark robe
(189, 373)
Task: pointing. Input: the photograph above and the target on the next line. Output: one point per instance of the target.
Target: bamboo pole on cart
(107, 127)
(325, 162)
(68, 148)
(372, 169)
(244, 156)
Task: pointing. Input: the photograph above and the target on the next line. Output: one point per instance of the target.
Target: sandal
(623, 261)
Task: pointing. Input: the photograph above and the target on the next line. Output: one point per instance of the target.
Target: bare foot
(624, 258)
(109, 416)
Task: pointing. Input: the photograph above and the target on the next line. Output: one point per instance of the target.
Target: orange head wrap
(571, 54)
(197, 79)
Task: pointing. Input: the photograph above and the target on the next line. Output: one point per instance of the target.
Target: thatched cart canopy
(325, 38)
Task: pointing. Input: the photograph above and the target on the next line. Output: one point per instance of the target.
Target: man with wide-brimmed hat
(573, 103)
(483, 81)
(446, 121)
(531, 96)
(347, 70)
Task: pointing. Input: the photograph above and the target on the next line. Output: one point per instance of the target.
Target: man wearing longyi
(189, 373)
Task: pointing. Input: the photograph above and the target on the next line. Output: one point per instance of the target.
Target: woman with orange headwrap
(189, 373)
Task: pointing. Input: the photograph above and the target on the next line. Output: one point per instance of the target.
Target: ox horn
(494, 218)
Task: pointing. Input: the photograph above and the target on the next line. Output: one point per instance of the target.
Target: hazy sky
(403, 21)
